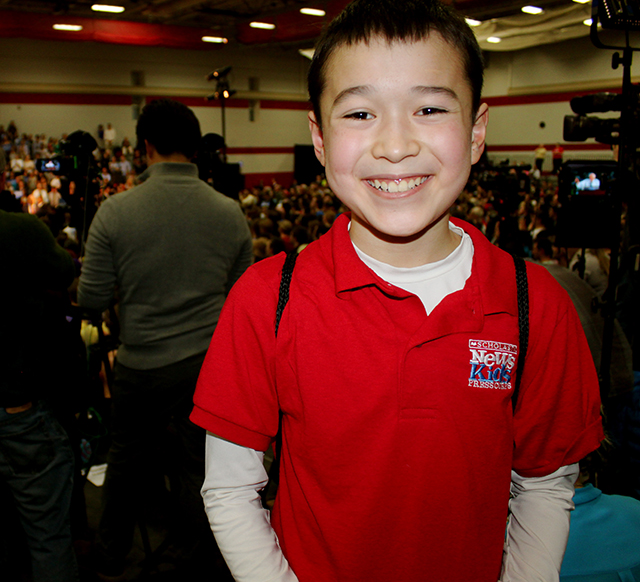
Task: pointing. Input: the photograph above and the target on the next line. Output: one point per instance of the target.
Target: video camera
(74, 156)
(74, 160)
(580, 127)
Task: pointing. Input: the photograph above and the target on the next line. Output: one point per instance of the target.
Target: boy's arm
(539, 526)
(234, 478)
(556, 423)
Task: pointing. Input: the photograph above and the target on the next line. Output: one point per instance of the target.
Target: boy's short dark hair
(170, 127)
(396, 20)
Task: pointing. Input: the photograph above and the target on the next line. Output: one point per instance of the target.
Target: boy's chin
(404, 231)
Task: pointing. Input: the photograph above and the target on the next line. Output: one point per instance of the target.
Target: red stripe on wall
(504, 100)
(285, 179)
(567, 147)
(299, 105)
(63, 99)
(203, 101)
(262, 150)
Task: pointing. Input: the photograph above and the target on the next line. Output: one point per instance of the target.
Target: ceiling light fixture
(68, 27)
(472, 22)
(532, 10)
(263, 25)
(494, 39)
(312, 12)
(582, 1)
(587, 22)
(216, 39)
(107, 8)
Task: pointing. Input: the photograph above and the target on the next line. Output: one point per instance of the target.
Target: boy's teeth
(397, 185)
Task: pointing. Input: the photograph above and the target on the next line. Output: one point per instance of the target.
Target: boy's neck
(433, 244)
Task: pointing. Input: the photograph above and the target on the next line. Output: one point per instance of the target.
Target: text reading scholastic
(492, 364)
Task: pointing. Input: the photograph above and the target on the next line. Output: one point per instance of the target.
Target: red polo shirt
(398, 435)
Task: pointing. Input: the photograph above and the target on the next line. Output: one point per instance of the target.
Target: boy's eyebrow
(358, 90)
(420, 89)
(435, 90)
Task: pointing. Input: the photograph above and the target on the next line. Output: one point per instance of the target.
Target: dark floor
(156, 563)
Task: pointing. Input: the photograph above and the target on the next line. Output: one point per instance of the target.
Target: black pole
(224, 129)
(623, 182)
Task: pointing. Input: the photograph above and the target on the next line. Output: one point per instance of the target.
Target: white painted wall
(575, 61)
(55, 120)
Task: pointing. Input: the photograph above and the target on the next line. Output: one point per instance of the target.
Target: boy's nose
(395, 142)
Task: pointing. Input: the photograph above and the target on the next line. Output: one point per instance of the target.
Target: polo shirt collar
(586, 494)
(492, 268)
(492, 273)
(172, 168)
(351, 273)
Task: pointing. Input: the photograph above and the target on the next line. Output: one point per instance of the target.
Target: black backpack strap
(285, 281)
(283, 299)
(522, 287)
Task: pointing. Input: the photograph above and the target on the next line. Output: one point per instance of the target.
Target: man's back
(174, 247)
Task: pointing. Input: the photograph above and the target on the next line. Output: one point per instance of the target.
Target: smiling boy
(394, 363)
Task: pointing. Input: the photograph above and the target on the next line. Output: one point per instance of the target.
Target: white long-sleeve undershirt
(234, 477)
(538, 527)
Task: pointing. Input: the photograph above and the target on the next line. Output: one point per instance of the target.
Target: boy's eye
(359, 115)
(430, 111)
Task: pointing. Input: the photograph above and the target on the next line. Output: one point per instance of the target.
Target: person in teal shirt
(604, 539)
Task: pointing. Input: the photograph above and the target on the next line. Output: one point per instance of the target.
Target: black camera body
(580, 127)
(74, 155)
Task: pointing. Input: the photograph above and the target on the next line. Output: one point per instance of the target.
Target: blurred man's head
(170, 127)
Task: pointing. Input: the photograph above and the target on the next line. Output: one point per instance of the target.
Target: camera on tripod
(74, 156)
(585, 187)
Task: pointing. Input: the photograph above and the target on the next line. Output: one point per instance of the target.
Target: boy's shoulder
(267, 271)
(496, 272)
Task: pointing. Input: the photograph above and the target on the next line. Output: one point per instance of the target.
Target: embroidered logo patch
(492, 364)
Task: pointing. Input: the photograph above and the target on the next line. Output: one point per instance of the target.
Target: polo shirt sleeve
(236, 397)
(557, 421)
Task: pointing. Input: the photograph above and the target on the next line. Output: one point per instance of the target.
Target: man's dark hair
(544, 245)
(170, 127)
(396, 20)
(301, 234)
(8, 202)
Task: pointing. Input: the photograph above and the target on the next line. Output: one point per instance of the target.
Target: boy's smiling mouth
(398, 185)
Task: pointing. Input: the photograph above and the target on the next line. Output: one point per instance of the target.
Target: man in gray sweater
(170, 249)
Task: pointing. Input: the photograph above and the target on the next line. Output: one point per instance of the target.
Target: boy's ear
(479, 132)
(316, 137)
